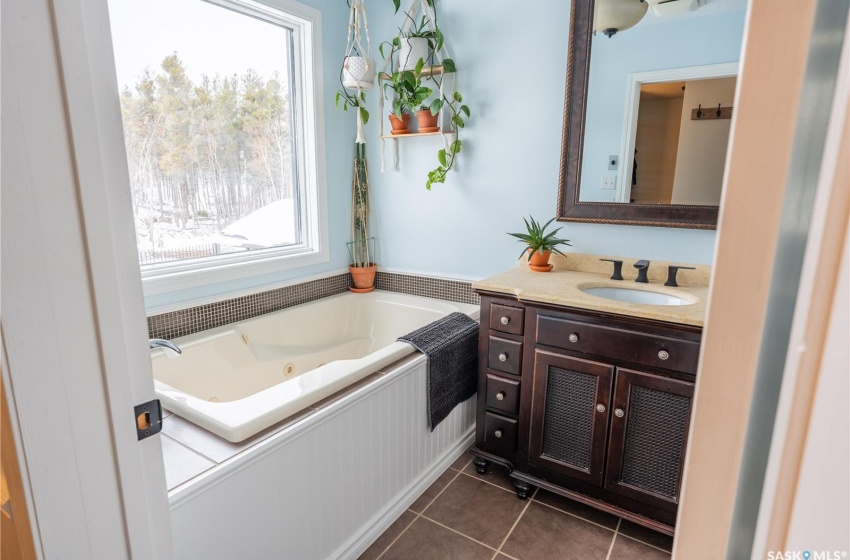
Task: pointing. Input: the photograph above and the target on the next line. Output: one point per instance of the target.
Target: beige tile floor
(467, 516)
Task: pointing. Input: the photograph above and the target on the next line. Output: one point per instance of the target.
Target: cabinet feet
(522, 489)
(481, 465)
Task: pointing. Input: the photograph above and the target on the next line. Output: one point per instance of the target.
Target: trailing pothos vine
(410, 95)
(355, 100)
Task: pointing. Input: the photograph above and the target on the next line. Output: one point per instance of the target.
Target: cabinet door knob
(505, 320)
(498, 433)
(600, 407)
(573, 337)
(663, 355)
(503, 357)
(619, 412)
(500, 396)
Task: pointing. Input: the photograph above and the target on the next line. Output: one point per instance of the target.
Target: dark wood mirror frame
(570, 209)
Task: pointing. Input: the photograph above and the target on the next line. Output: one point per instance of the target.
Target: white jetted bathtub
(239, 379)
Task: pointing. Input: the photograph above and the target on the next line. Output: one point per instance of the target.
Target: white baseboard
(381, 522)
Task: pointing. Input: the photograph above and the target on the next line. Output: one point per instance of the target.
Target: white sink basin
(635, 296)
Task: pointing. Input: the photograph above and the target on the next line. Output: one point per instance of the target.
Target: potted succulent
(539, 244)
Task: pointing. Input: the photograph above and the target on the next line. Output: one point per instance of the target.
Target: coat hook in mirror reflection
(718, 112)
(699, 112)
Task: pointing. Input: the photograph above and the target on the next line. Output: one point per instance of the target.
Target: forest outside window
(220, 138)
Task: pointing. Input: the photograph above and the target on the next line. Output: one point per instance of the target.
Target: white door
(73, 324)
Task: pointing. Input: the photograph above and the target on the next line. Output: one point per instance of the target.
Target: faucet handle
(618, 268)
(671, 274)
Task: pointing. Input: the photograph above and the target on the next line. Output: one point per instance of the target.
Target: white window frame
(305, 24)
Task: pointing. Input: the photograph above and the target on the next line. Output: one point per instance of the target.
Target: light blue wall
(512, 65)
(339, 141)
(691, 42)
(512, 62)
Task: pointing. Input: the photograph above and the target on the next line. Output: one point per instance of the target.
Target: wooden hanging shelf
(427, 72)
(415, 134)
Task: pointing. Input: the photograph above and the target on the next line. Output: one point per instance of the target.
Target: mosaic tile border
(209, 316)
(426, 286)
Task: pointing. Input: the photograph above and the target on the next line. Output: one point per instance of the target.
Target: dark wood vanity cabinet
(569, 415)
(595, 407)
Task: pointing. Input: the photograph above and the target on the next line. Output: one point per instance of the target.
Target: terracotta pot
(539, 261)
(363, 277)
(427, 121)
(400, 126)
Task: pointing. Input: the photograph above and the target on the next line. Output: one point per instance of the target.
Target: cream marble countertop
(562, 286)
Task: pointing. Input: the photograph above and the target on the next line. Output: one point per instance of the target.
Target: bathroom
(275, 414)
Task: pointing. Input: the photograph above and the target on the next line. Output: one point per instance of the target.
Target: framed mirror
(648, 106)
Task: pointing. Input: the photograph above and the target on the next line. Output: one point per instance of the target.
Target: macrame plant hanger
(412, 13)
(358, 71)
(358, 74)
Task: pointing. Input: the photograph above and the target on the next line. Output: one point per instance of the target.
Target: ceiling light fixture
(613, 16)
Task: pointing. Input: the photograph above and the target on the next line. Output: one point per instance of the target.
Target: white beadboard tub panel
(326, 487)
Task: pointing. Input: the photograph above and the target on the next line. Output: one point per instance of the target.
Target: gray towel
(451, 346)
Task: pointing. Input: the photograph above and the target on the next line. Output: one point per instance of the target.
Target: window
(218, 102)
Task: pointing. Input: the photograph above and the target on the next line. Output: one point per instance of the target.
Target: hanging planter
(420, 52)
(358, 69)
(358, 72)
(411, 50)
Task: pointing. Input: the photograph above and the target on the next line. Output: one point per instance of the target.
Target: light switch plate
(609, 183)
(613, 162)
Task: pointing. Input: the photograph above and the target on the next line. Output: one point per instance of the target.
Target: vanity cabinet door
(649, 431)
(569, 415)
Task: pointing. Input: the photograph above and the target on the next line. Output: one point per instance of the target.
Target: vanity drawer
(504, 318)
(505, 355)
(502, 394)
(619, 344)
(500, 433)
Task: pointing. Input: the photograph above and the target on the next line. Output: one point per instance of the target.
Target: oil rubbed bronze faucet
(643, 268)
(618, 268)
(671, 274)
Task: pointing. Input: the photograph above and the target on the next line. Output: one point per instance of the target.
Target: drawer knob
(500, 396)
(663, 355)
(503, 357)
(498, 433)
(505, 320)
(573, 337)
(600, 407)
(619, 413)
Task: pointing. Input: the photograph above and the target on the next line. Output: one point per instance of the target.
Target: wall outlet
(609, 183)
